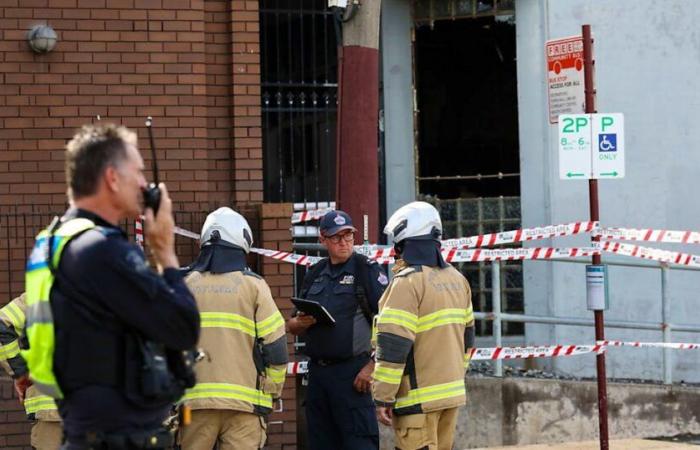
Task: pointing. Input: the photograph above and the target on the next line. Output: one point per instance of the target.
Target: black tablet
(315, 309)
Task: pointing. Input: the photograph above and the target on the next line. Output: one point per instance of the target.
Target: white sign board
(565, 76)
(608, 142)
(591, 146)
(575, 146)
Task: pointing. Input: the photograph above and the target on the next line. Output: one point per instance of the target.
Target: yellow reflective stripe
(10, 350)
(470, 315)
(387, 374)
(432, 393)
(270, 325)
(230, 391)
(15, 316)
(441, 317)
(398, 317)
(467, 359)
(227, 320)
(40, 403)
(276, 375)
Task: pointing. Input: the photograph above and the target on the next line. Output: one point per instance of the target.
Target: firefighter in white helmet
(424, 333)
(242, 336)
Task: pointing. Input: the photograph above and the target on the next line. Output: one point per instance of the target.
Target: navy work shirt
(118, 293)
(334, 288)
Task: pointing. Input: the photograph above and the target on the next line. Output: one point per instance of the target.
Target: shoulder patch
(250, 273)
(409, 270)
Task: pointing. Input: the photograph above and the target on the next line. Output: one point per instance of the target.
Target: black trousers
(338, 416)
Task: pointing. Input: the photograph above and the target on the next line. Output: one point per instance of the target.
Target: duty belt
(324, 362)
(155, 439)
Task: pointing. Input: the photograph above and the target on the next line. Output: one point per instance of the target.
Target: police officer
(46, 430)
(243, 337)
(339, 407)
(107, 333)
(425, 330)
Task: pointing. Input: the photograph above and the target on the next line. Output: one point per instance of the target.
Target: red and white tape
(648, 235)
(307, 216)
(670, 345)
(655, 254)
(547, 351)
(513, 254)
(294, 258)
(138, 232)
(521, 235)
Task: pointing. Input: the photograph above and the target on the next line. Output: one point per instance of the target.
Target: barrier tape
(655, 254)
(385, 255)
(307, 216)
(521, 235)
(671, 345)
(138, 232)
(547, 351)
(491, 239)
(648, 235)
(294, 258)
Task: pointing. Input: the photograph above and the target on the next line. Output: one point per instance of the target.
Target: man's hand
(159, 231)
(21, 385)
(385, 414)
(300, 323)
(363, 380)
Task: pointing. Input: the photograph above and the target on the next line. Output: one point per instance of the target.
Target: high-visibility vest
(39, 281)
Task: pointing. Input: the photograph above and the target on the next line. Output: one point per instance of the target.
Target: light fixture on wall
(42, 38)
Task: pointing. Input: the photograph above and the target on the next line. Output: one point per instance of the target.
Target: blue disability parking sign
(607, 142)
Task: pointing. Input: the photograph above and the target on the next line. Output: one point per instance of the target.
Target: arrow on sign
(572, 174)
(609, 174)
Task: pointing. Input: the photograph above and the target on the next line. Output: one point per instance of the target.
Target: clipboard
(315, 309)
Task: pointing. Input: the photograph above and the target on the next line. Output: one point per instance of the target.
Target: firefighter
(425, 330)
(243, 338)
(41, 409)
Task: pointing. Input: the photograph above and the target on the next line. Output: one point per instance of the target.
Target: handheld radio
(151, 194)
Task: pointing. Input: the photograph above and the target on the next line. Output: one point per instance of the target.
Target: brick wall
(275, 234)
(191, 64)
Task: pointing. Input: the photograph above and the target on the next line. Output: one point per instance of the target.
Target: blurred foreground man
(339, 407)
(425, 330)
(243, 338)
(106, 333)
(47, 431)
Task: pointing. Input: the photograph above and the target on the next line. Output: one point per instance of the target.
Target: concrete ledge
(515, 411)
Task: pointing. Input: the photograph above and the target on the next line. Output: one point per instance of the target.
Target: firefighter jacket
(12, 321)
(243, 337)
(424, 332)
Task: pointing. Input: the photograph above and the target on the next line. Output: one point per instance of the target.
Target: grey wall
(647, 56)
(398, 103)
(516, 411)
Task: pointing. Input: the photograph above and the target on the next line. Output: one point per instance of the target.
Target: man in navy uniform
(339, 408)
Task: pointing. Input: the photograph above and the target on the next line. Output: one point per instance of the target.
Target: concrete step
(616, 444)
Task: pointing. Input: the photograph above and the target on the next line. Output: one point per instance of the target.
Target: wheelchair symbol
(607, 142)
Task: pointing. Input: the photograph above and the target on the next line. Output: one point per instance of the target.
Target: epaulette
(250, 273)
(409, 270)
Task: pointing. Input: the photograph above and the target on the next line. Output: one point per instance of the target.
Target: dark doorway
(467, 101)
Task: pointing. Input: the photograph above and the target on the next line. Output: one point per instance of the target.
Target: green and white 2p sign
(591, 146)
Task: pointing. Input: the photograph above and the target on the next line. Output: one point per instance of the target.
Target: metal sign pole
(595, 216)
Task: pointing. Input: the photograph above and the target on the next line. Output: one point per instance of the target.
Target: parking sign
(591, 146)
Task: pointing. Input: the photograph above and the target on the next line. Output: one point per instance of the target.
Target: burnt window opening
(466, 84)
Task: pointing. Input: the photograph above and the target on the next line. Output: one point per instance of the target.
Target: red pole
(595, 216)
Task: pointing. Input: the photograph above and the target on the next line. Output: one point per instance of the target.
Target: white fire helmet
(230, 226)
(416, 219)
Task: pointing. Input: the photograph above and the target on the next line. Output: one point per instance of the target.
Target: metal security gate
(299, 100)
